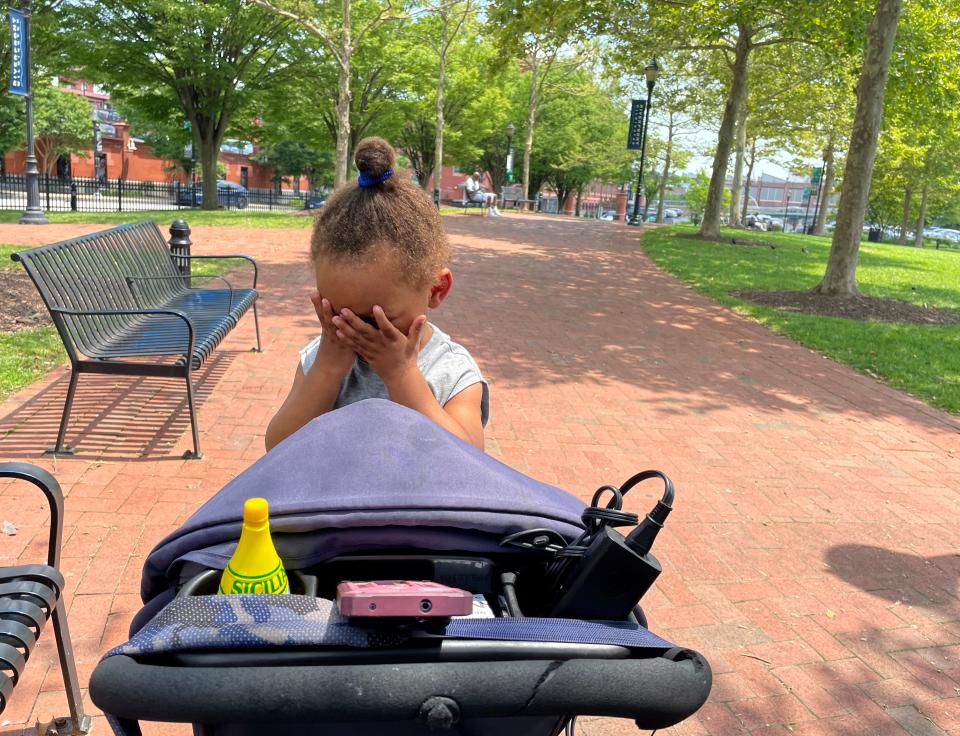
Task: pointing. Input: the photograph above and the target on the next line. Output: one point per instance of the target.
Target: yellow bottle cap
(255, 511)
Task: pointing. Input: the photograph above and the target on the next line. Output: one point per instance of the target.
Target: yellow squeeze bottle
(255, 566)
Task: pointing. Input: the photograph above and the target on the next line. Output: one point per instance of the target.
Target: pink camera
(402, 599)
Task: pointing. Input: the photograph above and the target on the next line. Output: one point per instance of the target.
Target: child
(380, 258)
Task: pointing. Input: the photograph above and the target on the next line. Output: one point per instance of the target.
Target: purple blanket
(372, 475)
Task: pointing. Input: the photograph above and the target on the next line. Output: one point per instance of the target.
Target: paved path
(812, 555)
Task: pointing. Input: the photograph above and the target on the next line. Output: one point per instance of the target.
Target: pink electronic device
(402, 599)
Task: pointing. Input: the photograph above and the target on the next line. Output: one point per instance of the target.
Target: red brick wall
(142, 165)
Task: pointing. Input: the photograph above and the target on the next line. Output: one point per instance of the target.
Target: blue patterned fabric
(267, 622)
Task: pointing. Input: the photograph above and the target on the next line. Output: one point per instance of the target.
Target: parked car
(314, 201)
(230, 195)
(942, 233)
(608, 215)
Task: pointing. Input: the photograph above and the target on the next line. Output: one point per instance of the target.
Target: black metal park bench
(468, 203)
(123, 304)
(30, 595)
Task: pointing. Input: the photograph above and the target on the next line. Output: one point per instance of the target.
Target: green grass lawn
(26, 355)
(922, 360)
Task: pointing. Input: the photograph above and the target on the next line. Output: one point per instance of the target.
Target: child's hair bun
(374, 156)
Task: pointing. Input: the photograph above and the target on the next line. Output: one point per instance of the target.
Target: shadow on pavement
(113, 417)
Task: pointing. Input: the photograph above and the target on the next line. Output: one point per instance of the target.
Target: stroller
(375, 491)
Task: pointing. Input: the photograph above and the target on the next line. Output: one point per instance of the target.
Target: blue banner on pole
(18, 53)
(635, 132)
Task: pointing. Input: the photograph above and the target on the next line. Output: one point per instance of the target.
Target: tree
(293, 159)
(536, 35)
(812, 114)
(452, 16)
(12, 126)
(734, 31)
(698, 190)
(578, 121)
(203, 61)
(840, 277)
(61, 124)
(468, 72)
(916, 172)
(342, 30)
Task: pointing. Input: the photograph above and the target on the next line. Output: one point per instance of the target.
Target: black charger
(603, 575)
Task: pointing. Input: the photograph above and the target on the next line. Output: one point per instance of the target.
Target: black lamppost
(33, 215)
(652, 71)
(511, 129)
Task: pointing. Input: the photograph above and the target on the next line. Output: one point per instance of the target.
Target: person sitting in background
(473, 191)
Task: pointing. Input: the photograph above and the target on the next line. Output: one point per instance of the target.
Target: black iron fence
(74, 194)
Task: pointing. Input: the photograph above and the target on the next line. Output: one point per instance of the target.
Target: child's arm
(393, 356)
(460, 415)
(313, 393)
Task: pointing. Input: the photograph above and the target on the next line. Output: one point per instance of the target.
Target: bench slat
(17, 635)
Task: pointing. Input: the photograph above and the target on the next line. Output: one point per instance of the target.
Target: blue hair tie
(369, 181)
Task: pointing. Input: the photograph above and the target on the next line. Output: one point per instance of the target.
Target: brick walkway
(812, 555)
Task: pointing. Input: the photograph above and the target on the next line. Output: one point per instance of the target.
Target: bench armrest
(132, 279)
(188, 353)
(213, 257)
(51, 489)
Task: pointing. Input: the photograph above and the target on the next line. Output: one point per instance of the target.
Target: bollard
(180, 245)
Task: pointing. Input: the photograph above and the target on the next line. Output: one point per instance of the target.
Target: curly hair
(394, 214)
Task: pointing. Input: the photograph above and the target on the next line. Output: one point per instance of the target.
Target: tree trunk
(710, 227)
(441, 82)
(840, 277)
(746, 184)
(741, 137)
(666, 168)
(826, 189)
(922, 219)
(905, 220)
(209, 153)
(531, 120)
(343, 103)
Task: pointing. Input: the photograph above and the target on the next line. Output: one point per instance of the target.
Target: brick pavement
(812, 555)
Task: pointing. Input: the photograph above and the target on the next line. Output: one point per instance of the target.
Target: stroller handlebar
(656, 692)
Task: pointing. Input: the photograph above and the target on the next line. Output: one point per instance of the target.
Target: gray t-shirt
(447, 366)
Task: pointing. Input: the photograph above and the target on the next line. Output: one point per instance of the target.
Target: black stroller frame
(562, 642)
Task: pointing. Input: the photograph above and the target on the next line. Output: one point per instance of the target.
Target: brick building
(120, 154)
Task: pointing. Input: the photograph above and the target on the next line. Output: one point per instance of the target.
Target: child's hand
(388, 351)
(334, 354)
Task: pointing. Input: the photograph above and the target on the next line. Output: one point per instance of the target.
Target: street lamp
(511, 129)
(33, 215)
(652, 71)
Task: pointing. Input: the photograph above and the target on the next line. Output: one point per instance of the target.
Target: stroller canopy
(373, 475)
